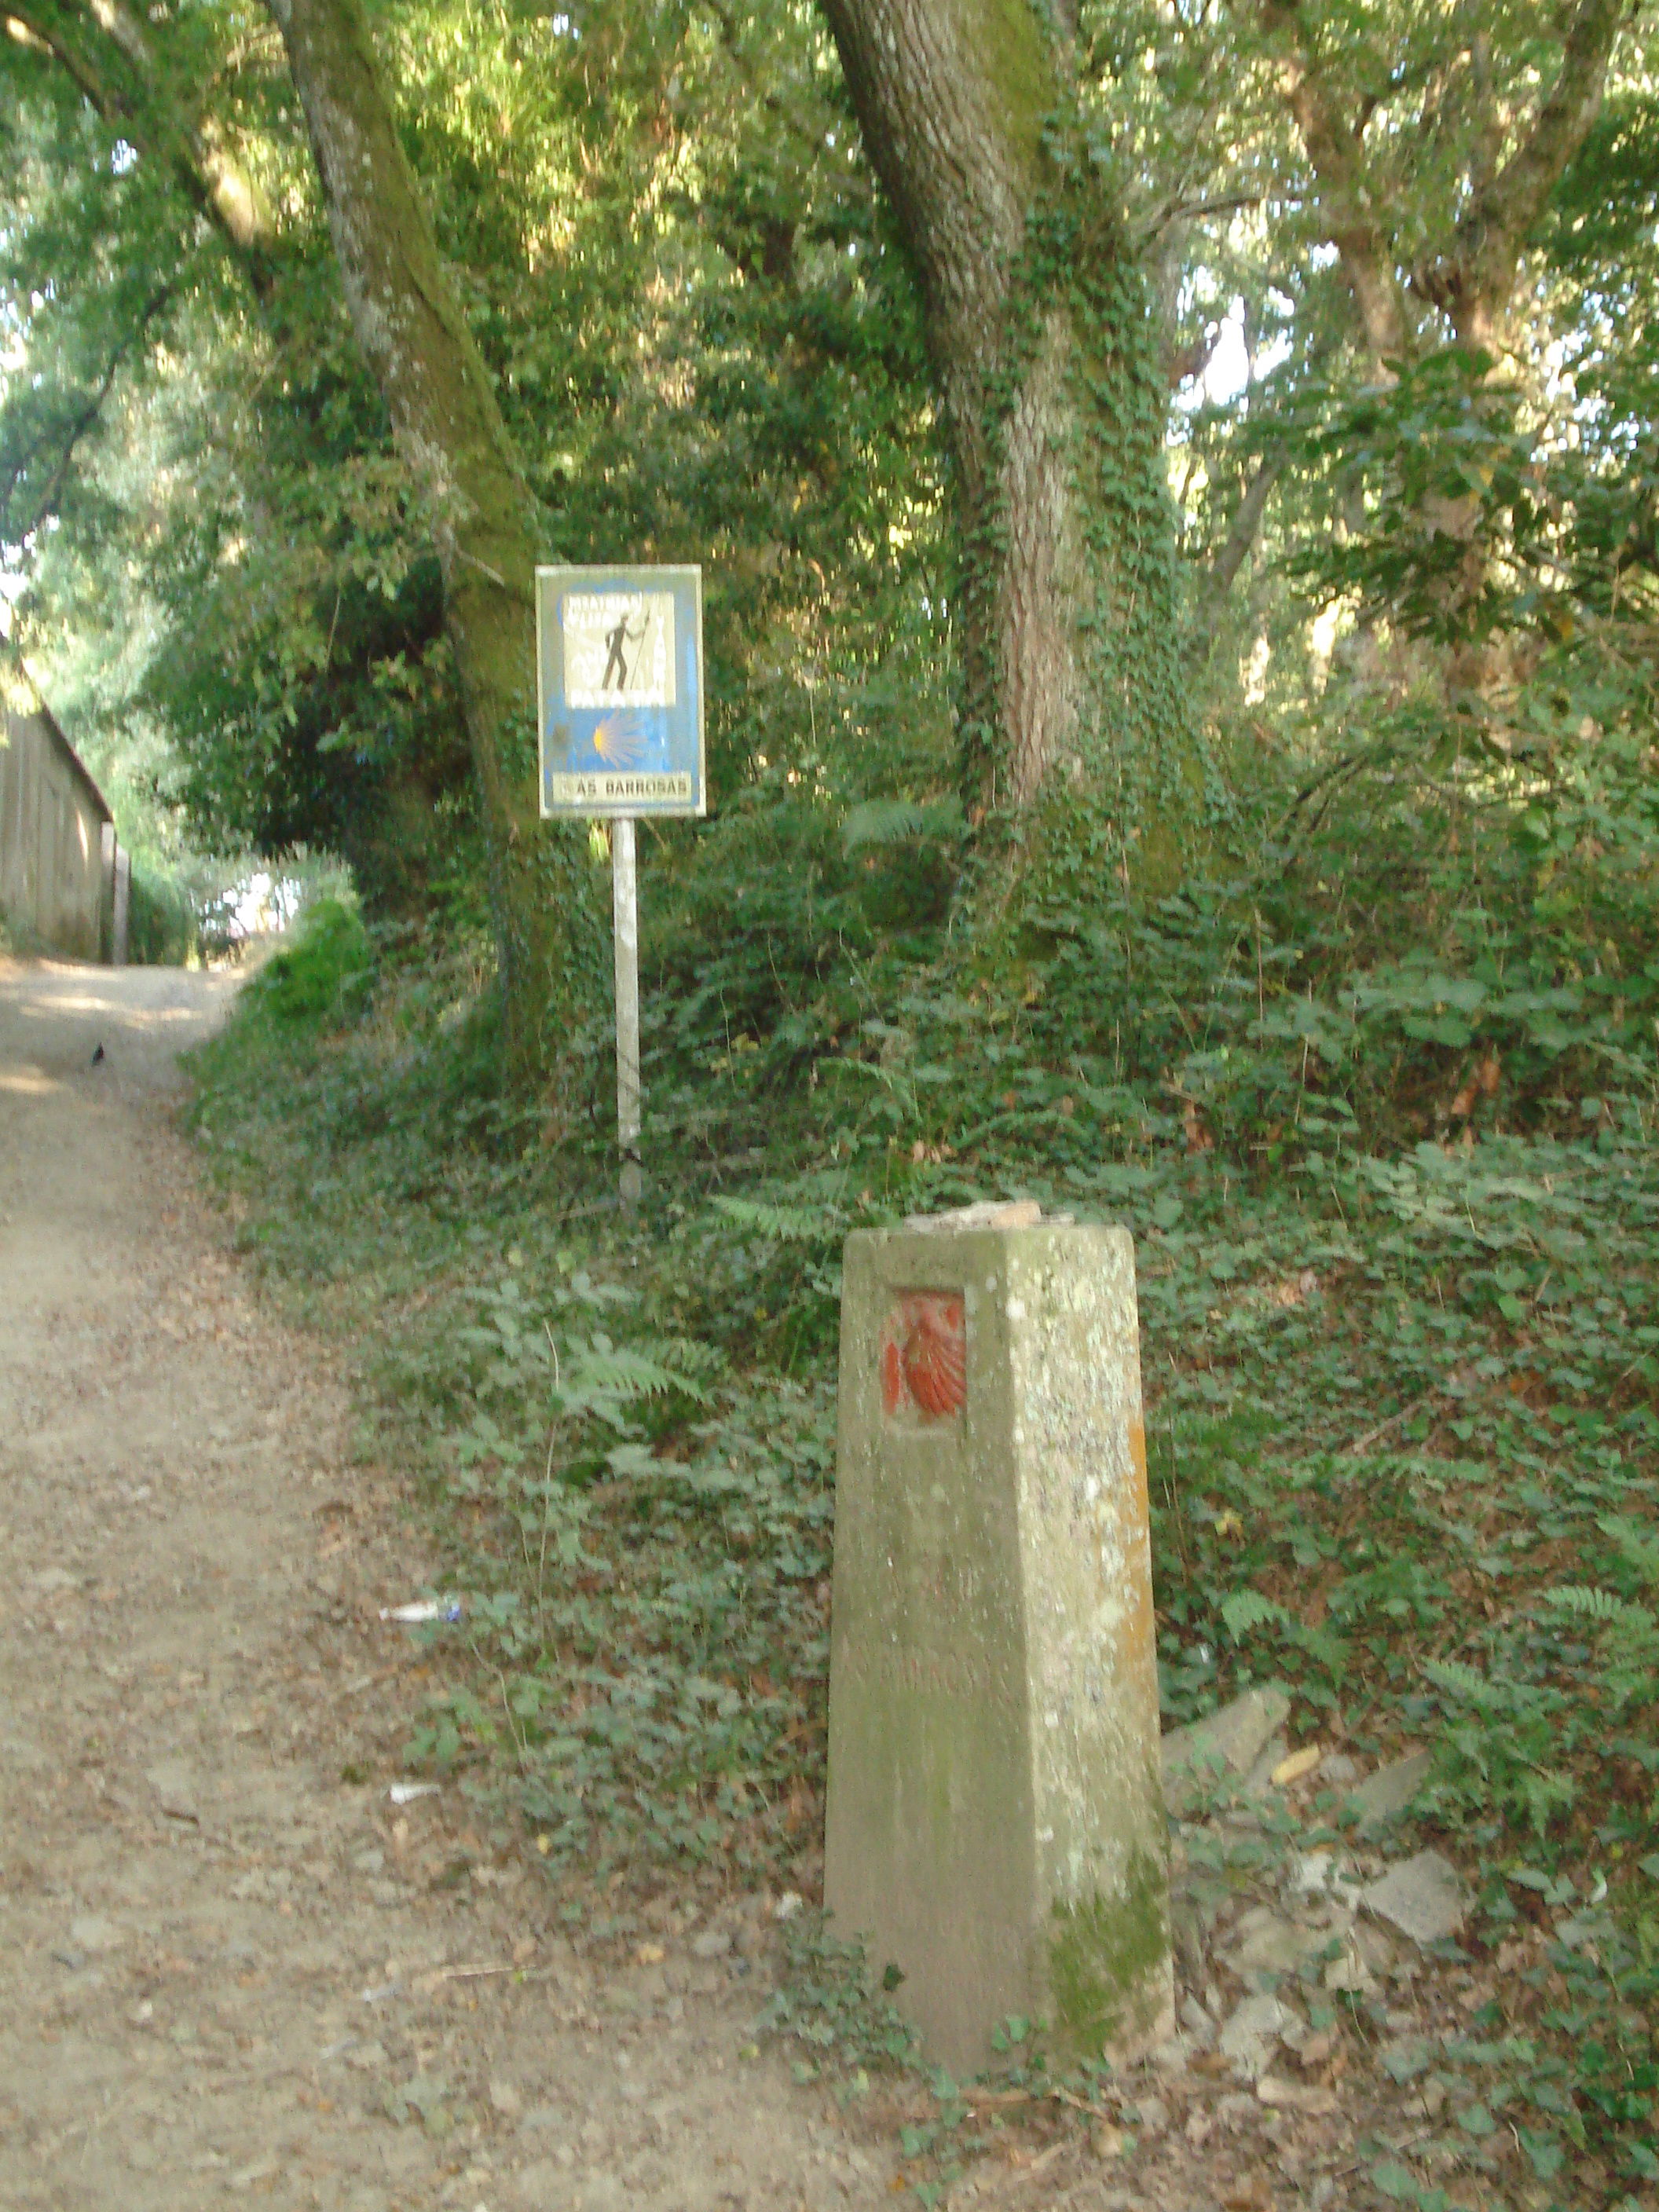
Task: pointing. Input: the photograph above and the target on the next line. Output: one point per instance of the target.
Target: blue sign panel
(619, 690)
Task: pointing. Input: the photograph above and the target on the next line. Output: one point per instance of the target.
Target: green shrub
(163, 929)
(325, 975)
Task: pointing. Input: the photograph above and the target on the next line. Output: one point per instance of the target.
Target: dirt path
(231, 1973)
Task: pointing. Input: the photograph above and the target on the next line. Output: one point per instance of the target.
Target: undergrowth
(1395, 1219)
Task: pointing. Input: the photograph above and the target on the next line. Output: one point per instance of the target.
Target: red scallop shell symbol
(924, 1360)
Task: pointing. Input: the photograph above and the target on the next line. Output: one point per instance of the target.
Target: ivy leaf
(1543, 2150)
(1393, 2179)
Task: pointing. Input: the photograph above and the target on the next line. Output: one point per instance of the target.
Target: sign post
(620, 727)
(625, 927)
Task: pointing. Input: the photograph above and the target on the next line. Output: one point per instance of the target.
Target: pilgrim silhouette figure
(615, 640)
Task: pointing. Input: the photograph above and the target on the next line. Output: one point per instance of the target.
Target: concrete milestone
(996, 1827)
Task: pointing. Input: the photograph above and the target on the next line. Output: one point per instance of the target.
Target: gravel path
(231, 1971)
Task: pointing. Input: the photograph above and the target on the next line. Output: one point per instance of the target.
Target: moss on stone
(1103, 1954)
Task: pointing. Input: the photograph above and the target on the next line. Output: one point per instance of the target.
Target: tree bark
(449, 430)
(1052, 392)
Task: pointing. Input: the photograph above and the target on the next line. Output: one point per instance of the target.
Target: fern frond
(1598, 1605)
(786, 1224)
(900, 821)
(600, 1369)
(1243, 1610)
(1464, 1682)
(1637, 1545)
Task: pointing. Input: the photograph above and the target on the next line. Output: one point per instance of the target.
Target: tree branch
(138, 98)
(1195, 212)
(1180, 362)
(1472, 281)
(1333, 145)
(44, 34)
(1230, 556)
(1245, 527)
(46, 506)
(1246, 524)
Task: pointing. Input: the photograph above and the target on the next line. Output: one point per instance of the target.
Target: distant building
(64, 882)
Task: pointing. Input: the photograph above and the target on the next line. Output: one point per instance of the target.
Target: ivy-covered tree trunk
(450, 432)
(1046, 355)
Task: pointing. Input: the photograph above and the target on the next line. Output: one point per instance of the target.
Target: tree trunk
(1046, 361)
(1473, 277)
(1335, 143)
(1470, 272)
(1217, 583)
(450, 432)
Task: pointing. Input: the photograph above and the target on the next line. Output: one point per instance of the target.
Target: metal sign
(619, 723)
(619, 691)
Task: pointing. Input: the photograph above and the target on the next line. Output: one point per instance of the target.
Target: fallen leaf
(1295, 2096)
(1250, 2195)
(1298, 1764)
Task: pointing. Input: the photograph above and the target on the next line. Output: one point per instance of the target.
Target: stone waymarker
(995, 1824)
